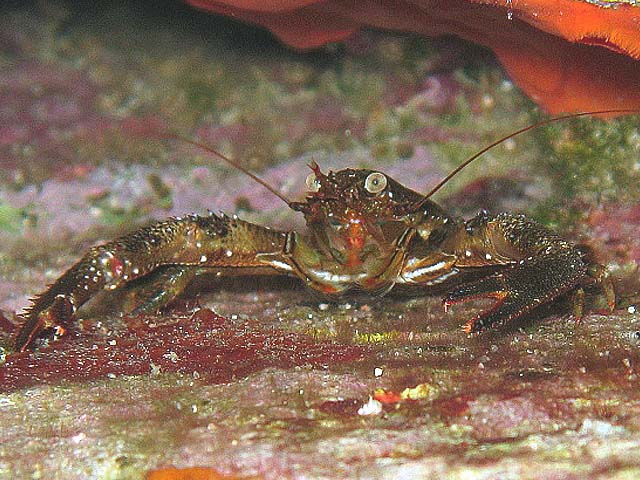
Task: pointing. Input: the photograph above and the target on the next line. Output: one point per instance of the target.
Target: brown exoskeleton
(365, 231)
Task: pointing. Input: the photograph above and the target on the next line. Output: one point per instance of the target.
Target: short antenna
(460, 167)
(234, 164)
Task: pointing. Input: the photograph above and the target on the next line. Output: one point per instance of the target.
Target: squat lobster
(365, 231)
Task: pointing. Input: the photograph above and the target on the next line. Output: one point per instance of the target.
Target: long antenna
(460, 167)
(226, 159)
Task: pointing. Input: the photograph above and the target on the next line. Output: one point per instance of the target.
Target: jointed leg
(149, 294)
(191, 241)
(543, 267)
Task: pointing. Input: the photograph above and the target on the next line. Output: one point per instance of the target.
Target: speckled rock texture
(256, 378)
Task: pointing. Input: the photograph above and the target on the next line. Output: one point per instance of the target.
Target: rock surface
(255, 378)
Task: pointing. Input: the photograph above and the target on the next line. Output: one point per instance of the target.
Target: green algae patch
(589, 161)
(593, 157)
(12, 219)
(377, 337)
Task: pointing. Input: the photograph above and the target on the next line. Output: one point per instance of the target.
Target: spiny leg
(577, 301)
(598, 273)
(209, 241)
(602, 279)
(149, 294)
(547, 267)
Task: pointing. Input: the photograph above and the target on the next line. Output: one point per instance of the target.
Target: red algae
(346, 407)
(617, 229)
(453, 406)
(213, 346)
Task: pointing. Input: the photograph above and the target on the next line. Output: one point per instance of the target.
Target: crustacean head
(355, 211)
(342, 194)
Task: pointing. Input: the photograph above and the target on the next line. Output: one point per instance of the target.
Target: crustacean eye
(375, 182)
(313, 184)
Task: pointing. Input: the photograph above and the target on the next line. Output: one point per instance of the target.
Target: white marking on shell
(279, 264)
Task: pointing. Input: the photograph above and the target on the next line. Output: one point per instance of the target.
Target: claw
(492, 287)
(28, 333)
(477, 323)
(517, 290)
(60, 311)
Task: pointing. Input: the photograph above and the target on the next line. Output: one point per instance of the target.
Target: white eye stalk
(375, 182)
(313, 184)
